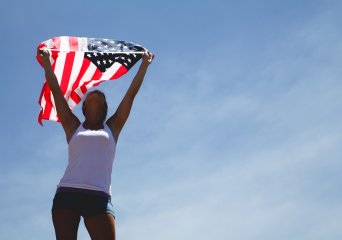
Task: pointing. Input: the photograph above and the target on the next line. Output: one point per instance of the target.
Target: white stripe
(53, 114)
(71, 103)
(43, 102)
(64, 47)
(51, 59)
(111, 71)
(78, 60)
(86, 77)
(49, 44)
(82, 44)
(59, 68)
(106, 75)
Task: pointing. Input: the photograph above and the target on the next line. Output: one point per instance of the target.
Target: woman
(84, 190)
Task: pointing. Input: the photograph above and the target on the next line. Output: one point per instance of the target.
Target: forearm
(138, 79)
(51, 80)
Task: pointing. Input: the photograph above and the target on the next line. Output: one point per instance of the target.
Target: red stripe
(56, 43)
(68, 65)
(48, 105)
(69, 61)
(40, 117)
(73, 43)
(42, 92)
(97, 75)
(56, 46)
(40, 103)
(46, 111)
(121, 71)
(98, 83)
(74, 96)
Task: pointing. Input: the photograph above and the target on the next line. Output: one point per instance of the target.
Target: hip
(84, 202)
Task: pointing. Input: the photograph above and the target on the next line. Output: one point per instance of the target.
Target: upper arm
(68, 120)
(119, 118)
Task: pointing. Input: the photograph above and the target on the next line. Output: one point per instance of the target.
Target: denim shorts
(84, 202)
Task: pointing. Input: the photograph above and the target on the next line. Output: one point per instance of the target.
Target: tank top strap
(107, 129)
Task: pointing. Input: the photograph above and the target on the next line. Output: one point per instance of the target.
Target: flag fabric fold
(80, 63)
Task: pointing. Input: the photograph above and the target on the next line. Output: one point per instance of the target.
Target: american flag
(80, 63)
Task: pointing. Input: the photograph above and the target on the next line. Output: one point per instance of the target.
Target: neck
(93, 126)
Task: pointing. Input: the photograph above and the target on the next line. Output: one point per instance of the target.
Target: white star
(104, 61)
(98, 62)
(125, 64)
(89, 55)
(95, 54)
(110, 61)
(129, 60)
(123, 58)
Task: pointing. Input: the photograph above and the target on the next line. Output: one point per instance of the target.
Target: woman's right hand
(44, 57)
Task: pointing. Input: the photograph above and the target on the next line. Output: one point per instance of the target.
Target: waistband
(82, 190)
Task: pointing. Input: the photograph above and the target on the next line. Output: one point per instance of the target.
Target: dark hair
(99, 93)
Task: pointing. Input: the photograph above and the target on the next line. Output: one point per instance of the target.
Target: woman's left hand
(147, 58)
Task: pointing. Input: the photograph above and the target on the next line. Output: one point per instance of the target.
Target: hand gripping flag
(80, 63)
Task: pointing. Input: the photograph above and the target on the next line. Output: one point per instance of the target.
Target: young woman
(84, 190)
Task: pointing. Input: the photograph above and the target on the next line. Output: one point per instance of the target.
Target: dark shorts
(86, 203)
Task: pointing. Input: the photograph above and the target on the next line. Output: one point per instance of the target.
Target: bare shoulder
(113, 128)
(71, 127)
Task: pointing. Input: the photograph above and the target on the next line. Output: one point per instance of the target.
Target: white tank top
(91, 156)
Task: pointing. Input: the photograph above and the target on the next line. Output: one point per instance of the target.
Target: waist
(82, 190)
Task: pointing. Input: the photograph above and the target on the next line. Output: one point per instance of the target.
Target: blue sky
(235, 134)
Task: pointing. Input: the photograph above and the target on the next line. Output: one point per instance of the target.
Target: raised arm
(119, 118)
(69, 121)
